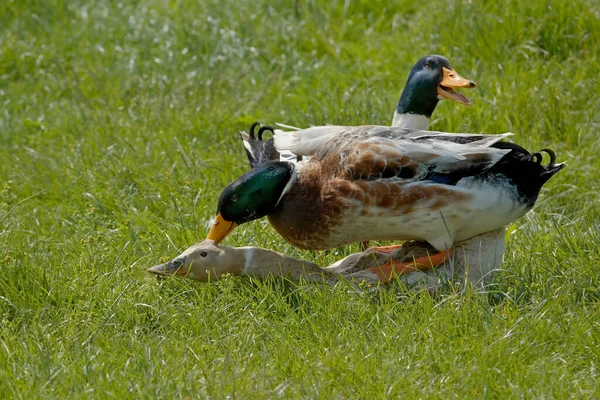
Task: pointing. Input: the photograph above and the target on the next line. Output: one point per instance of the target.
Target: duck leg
(393, 267)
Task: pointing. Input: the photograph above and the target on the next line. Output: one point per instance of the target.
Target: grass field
(118, 130)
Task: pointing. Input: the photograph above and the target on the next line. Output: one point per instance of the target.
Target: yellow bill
(452, 80)
(220, 229)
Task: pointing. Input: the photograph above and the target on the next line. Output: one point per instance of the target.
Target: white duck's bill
(166, 270)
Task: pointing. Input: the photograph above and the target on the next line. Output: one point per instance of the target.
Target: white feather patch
(249, 254)
(307, 141)
(410, 121)
(289, 184)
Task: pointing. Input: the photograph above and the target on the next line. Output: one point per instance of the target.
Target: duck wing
(315, 140)
(306, 142)
(398, 155)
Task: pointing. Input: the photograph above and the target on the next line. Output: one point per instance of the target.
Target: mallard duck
(386, 183)
(208, 262)
(430, 80)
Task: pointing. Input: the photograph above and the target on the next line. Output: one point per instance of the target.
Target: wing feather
(307, 142)
(320, 140)
(423, 159)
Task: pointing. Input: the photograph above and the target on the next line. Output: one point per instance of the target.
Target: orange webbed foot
(393, 268)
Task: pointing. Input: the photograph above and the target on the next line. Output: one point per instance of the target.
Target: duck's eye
(428, 64)
(203, 254)
(234, 197)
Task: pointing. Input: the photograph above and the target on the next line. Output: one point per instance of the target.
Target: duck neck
(410, 121)
(414, 109)
(231, 261)
(261, 263)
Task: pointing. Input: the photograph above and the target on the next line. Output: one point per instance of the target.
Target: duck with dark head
(430, 80)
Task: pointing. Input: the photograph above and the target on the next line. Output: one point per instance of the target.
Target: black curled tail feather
(550, 169)
(259, 151)
(524, 171)
(538, 156)
(264, 129)
(253, 129)
(552, 155)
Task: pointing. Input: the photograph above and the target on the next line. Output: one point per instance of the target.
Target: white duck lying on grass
(207, 262)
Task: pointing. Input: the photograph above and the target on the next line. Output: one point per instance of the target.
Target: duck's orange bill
(452, 80)
(392, 269)
(220, 229)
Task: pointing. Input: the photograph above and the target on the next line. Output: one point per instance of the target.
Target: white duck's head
(203, 262)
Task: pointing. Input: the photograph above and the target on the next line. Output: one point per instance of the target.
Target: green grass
(118, 124)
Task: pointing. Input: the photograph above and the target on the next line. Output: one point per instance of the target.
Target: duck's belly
(441, 228)
(379, 225)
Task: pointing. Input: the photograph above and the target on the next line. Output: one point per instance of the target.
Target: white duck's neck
(260, 263)
(410, 121)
